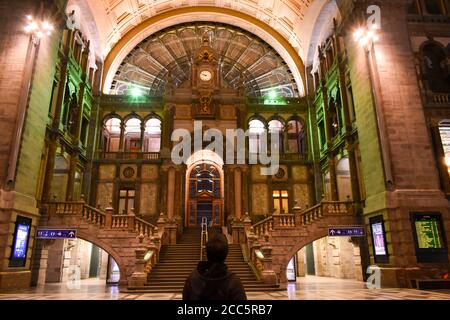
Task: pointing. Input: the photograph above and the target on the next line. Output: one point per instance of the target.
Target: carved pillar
(238, 193)
(350, 145)
(167, 129)
(328, 134)
(139, 277)
(109, 211)
(268, 275)
(51, 155)
(245, 189)
(142, 138)
(229, 189)
(170, 193)
(71, 177)
(79, 115)
(122, 136)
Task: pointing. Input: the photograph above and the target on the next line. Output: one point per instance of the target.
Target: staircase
(178, 261)
(238, 265)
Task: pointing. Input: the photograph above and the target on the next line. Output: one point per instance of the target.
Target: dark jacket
(213, 281)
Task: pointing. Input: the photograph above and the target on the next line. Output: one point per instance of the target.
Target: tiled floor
(309, 288)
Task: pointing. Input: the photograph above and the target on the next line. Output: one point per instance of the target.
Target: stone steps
(178, 261)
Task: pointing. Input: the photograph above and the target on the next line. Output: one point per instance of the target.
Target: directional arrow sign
(358, 231)
(56, 234)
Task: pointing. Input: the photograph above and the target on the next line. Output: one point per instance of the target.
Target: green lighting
(272, 94)
(136, 92)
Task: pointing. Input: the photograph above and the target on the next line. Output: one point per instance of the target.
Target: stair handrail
(203, 236)
(143, 227)
(97, 217)
(263, 226)
(324, 208)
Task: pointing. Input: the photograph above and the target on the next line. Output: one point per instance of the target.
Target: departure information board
(428, 236)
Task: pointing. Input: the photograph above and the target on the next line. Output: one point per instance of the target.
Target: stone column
(170, 193)
(350, 145)
(333, 176)
(139, 277)
(170, 225)
(79, 115)
(71, 178)
(329, 138)
(51, 155)
(238, 193)
(142, 136)
(122, 137)
(245, 188)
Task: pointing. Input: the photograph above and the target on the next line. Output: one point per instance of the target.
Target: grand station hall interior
(314, 135)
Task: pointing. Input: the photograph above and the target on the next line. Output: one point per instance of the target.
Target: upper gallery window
(435, 69)
(111, 135)
(276, 126)
(280, 201)
(126, 201)
(152, 137)
(256, 130)
(433, 6)
(296, 137)
(132, 136)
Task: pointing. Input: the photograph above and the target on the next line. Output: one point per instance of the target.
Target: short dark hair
(217, 248)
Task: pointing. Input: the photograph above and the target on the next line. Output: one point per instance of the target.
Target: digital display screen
(428, 235)
(20, 245)
(378, 239)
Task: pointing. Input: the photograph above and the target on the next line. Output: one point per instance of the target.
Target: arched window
(132, 136)
(204, 178)
(433, 7)
(276, 126)
(296, 137)
(444, 130)
(152, 137)
(256, 129)
(436, 72)
(111, 135)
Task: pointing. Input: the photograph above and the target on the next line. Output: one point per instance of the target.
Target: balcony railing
(438, 99)
(283, 156)
(153, 156)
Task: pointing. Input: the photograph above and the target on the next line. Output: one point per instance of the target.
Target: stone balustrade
(117, 234)
(101, 219)
(270, 243)
(260, 256)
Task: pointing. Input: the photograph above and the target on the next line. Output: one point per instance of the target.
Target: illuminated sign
(429, 236)
(380, 249)
(56, 234)
(347, 232)
(427, 230)
(378, 239)
(20, 242)
(20, 245)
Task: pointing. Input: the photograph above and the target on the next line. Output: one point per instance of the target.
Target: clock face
(205, 75)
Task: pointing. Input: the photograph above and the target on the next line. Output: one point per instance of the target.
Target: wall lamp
(39, 29)
(366, 37)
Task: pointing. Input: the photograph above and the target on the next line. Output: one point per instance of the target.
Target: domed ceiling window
(172, 51)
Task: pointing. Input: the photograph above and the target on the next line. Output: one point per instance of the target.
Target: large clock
(205, 75)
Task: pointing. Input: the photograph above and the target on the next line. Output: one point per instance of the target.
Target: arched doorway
(204, 189)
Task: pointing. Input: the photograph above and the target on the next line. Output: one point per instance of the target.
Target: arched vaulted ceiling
(107, 22)
(173, 49)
